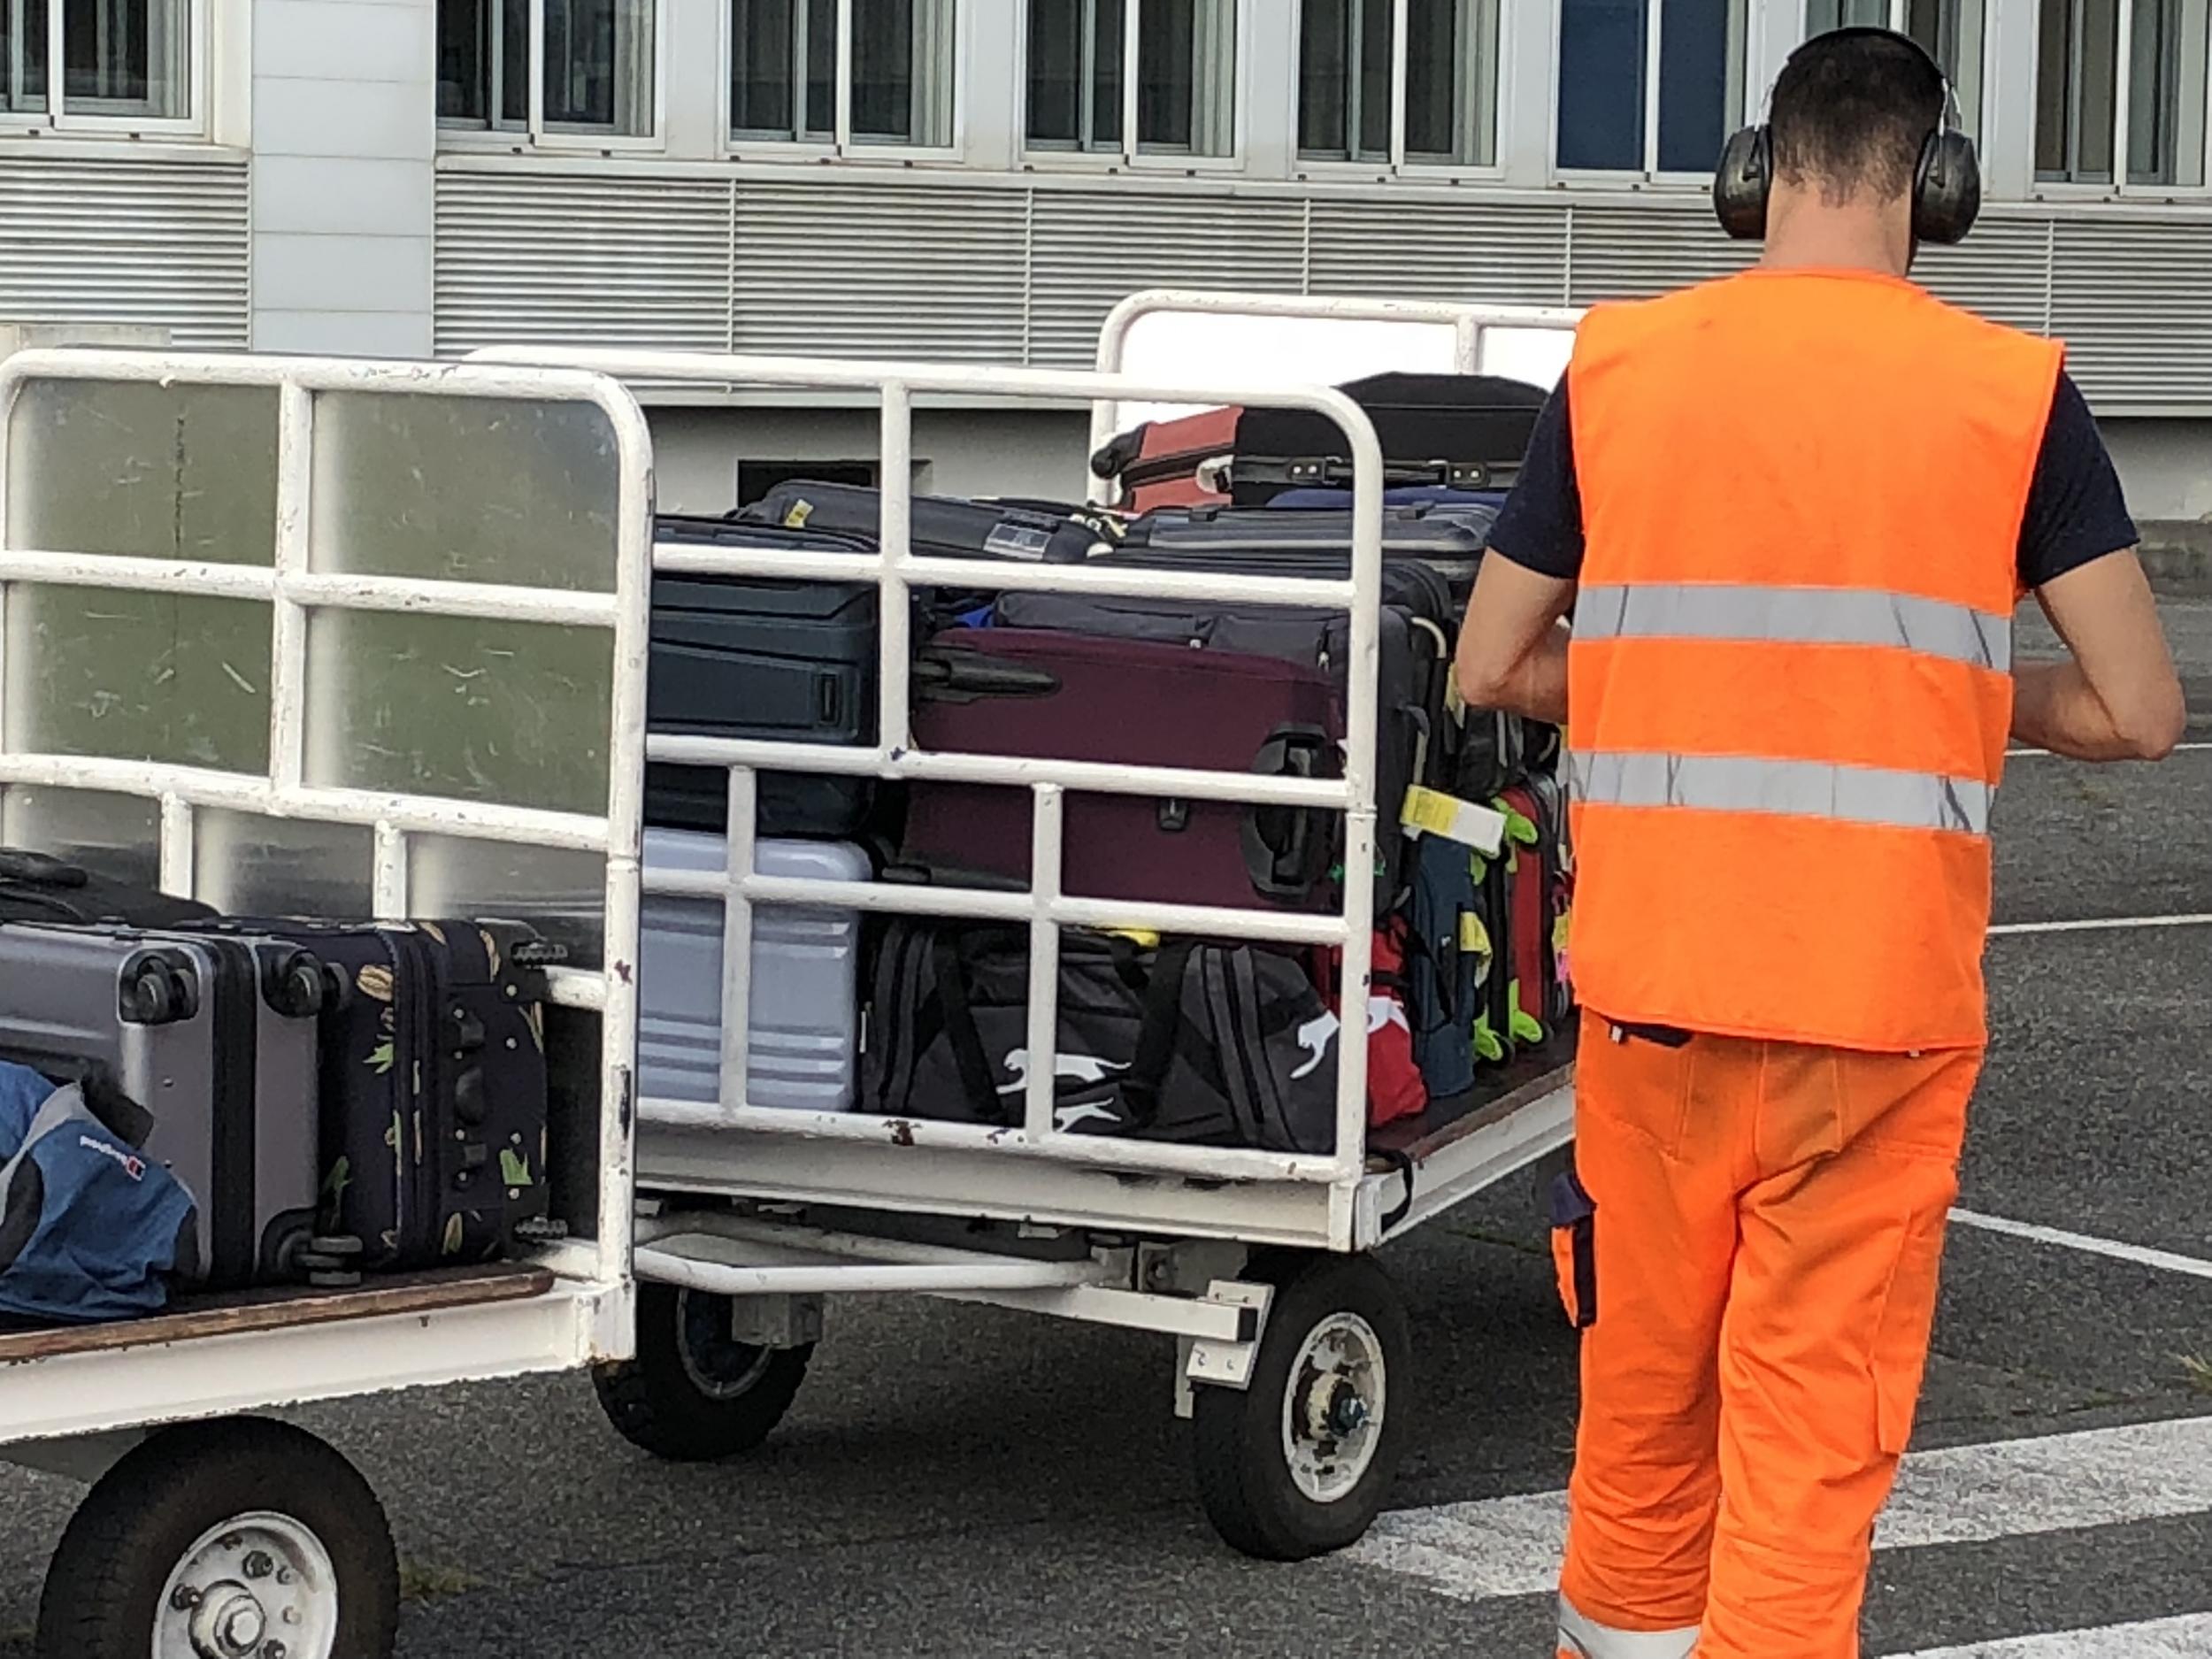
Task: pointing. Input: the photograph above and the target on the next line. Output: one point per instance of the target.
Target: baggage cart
(232, 588)
(1294, 1343)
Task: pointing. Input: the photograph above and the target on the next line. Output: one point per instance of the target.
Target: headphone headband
(1947, 189)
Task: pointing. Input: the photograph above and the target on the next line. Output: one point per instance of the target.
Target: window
(598, 72)
(2121, 77)
(1162, 70)
(1647, 88)
(1352, 55)
(786, 79)
(1950, 31)
(120, 58)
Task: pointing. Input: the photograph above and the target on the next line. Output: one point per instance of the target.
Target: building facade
(980, 179)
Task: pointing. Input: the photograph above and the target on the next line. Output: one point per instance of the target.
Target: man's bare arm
(1512, 651)
(2118, 698)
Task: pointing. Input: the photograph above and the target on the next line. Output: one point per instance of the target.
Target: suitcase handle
(40, 870)
(968, 676)
(1284, 862)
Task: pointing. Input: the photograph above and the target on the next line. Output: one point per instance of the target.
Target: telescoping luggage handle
(1285, 864)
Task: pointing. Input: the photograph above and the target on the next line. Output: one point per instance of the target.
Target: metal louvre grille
(1090, 248)
(1634, 252)
(1463, 251)
(565, 259)
(871, 270)
(160, 244)
(1006, 269)
(2133, 302)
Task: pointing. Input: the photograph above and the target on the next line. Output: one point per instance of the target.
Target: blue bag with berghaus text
(90, 1229)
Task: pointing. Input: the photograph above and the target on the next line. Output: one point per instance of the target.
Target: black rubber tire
(135, 1525)
(656, 1405)
(1243, 1478)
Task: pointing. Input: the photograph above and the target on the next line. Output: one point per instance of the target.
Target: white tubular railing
(1044, 907)
(293, 590)
(1469, 324)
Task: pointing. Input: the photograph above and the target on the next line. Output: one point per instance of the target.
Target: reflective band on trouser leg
(1796, 788)
(1584, 1637)
(1796, 616)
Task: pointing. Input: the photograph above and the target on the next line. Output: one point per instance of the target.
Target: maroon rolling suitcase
(1127, 703)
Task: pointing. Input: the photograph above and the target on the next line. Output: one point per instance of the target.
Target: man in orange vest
(1793, 512)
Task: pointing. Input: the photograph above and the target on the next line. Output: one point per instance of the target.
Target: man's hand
(2119, 698)
(1512, 651)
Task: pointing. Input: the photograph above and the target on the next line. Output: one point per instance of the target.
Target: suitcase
(1171, 463)
(1406, 496)
(1528, 880)
(1411, 682)
(939, 527)
(1010, 691)
(216, 1039)
(1551, 800)
(1459, 431)
(38, 887)
(1447, 540)
(433, 1087)
(760, 657)
(803, 980)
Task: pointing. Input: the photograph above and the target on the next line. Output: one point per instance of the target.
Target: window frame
(841, 145)
(57, 118)
(1131, 154)
(1399, 161)
(534, 135)
(2042, 188)
(1654, 40)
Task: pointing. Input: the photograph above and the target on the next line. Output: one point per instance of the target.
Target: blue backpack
(90, 1228)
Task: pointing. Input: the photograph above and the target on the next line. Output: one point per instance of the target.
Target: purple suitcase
(1131, 703)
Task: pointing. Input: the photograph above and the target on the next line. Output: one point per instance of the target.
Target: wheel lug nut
(273, 1650)
(284, 1575)
(259, 1565)
(184, 1597)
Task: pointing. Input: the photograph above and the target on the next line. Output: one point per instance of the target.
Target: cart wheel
(693, 1395)
(242, 1539)
(1297, 1464)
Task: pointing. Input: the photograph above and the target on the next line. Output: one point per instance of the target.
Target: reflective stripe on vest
(1796, 616)
(1585, 1637)
(1794, 788)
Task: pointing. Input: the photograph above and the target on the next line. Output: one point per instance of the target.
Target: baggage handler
(1793, 511)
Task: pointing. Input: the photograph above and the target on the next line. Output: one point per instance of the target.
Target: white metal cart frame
(775, 1208)
(79, 1402)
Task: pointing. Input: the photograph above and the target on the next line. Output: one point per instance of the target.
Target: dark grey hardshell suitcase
(215, 1038)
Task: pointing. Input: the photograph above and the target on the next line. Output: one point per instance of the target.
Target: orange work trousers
(1759, 1257)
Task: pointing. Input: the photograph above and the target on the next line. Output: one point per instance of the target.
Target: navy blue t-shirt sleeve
(1539, 528)
(2076, 510)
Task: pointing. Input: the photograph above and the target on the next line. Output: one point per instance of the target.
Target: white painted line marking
(2099, 924)
(1967, 1494)
(2044, 753)
(2142, 1256)
(2189, 1637)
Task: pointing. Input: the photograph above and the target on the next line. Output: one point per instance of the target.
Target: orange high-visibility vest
(1790, 680)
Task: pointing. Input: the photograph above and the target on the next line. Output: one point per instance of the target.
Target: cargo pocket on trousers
(1900, 1358)
(1574, 1249)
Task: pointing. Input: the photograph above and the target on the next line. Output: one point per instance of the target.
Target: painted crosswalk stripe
(2187, 1638)
(1966, 1494)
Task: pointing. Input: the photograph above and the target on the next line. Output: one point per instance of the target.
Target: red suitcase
(1127, 703)
(1529, 878)
(1172, 463)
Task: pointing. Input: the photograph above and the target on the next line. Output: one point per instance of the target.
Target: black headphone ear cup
(1946, 197)
(1740, 184)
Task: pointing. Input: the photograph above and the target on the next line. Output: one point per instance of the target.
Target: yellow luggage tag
(1429, 811)
(1144, 937)
(1474, 938)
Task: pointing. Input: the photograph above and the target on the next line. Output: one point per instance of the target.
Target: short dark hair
(1851, 112)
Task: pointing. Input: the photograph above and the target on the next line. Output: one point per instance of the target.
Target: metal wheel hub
(717, 1365)
(258, 1586)
(1332, 1410)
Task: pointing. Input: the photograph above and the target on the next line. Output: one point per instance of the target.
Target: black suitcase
(939, 527)
(214, 1041)
(38, 887)
(1461, 431)
(1448, 539)
(434, 1087)
(760, 657)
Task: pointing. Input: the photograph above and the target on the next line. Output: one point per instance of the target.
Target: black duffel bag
(1203, 1043)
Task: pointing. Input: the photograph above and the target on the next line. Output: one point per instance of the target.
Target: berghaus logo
(131, 1165)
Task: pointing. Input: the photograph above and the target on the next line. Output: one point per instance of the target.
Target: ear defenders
(1947, 189)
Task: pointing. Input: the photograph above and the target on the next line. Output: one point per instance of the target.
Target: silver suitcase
(215, 1038)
